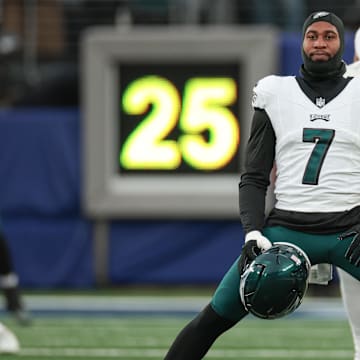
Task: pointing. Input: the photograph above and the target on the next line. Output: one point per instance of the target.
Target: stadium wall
(52, 241)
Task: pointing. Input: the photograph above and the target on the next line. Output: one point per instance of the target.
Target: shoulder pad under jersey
(353, 69)
(264, 90)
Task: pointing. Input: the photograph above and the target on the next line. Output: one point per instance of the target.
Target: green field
(97, 336)
(141, 338)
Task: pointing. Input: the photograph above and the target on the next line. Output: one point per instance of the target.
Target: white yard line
(158, 353)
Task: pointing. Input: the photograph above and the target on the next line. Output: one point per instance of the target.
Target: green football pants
(319, 248)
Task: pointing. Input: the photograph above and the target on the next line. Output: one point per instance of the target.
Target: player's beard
(323, 68)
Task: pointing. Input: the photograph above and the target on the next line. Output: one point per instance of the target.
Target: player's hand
(353, 251)
(255, 244)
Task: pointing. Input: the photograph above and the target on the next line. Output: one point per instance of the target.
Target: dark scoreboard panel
(166, 118)
(181, 118)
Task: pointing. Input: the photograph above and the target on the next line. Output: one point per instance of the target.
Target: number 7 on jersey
(322, 139)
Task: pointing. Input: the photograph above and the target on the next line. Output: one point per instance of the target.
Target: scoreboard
(166, 115)
(179, 118)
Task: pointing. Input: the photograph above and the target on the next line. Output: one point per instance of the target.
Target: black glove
(353, 252)
(248, 253)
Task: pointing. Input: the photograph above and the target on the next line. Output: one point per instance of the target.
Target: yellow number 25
(204, 110)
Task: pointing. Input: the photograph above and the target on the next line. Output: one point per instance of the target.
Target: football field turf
(107, 331)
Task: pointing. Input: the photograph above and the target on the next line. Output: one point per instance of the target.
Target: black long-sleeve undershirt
(255, 178)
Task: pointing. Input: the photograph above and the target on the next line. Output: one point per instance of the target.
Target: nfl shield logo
(320, 102)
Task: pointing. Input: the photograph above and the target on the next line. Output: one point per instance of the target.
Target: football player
(349, 286)
(308, 126)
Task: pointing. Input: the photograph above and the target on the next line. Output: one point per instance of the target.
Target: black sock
(196, 338)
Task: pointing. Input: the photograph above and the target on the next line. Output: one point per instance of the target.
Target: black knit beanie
(334, 63)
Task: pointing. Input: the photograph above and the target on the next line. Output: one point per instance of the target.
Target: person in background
(349, 286)
(9, 284)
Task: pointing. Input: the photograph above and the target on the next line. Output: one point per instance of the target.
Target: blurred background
(55, 242)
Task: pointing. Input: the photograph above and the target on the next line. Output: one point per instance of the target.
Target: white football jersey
(317, 150)
(353, 69)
